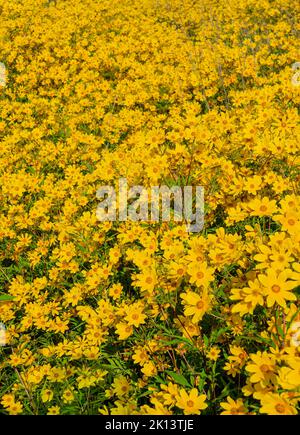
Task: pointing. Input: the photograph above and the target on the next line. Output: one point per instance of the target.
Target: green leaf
(206, 340)
(180, 379)
(4, 298)
(202, 381)
(159, 379)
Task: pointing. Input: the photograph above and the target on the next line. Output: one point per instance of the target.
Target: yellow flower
(253, 184)
(277, 287)
(124, 330)
(262, 207)
(192, 402)
(275, 404)
(149, 369)
(115, 291)
(56, 374)
(157, 409)
(140, 356)
(121, 386)
(15, 408)
(170, 393)
(68, 395)
(86, 379)
(290, 221)
(213, 353)
(47, 395)
(261, 367)
(147, 280)
(200, 274)
(289, 378)
(7, 400)
(53, 410)
(134, 315)
(254, 293)
(195, 305)
(233, 407)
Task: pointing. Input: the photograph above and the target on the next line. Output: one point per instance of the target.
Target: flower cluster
(141, 317)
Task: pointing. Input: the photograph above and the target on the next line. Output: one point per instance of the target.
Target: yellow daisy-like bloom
(263, 206)
(140, 356)
(124, 330)
(290, 222)
(195, 305)
(47, 395)
(146, 280)
(213, 353)
(68, 395)
(134, 315)
(200, 274)
(15, 408)
(7, 400)
(192, 402)
(53, 410)
(170, 393)
(149, 369)
(277, 287)
(261, 367)
(121, 386)
(254, 293)
(289, 378)
(233, 407)
(275, 404)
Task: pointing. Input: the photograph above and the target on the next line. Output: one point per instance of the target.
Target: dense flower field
(145, 318)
